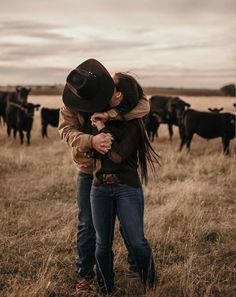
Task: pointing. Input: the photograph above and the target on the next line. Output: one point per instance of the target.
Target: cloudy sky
(166, 43)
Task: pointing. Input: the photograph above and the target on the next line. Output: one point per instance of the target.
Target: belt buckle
(109, 179)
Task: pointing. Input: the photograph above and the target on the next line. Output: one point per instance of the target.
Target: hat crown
(89, 87)
(83, 83)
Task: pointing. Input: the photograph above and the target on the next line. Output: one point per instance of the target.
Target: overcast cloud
(178, 43)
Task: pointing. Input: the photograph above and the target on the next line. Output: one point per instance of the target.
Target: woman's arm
(121, 151)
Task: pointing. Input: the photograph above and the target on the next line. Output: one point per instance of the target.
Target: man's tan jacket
(69, 129)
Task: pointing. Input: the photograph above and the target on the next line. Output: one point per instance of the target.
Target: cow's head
(30, 108)
(216, 110)
(22, 94)
(176, 108)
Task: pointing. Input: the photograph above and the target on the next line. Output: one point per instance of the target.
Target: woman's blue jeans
(127, 203)
(86, 238)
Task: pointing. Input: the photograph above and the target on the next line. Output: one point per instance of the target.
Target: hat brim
(103, 96)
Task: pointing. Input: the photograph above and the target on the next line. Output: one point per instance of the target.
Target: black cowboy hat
(89, 87)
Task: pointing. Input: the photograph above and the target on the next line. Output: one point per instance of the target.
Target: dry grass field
(190, 216)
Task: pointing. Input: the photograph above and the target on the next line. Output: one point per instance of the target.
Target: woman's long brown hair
(132, 93)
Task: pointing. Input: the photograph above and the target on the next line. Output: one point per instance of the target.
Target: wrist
(106, 115)
(112, 113)
(100, 126)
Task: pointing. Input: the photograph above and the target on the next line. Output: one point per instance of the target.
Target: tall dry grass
(190, 216)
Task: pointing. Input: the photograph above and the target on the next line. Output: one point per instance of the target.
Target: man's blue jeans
(127, 202)
(86, 233)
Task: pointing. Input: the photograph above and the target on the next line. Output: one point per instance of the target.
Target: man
(89, 89)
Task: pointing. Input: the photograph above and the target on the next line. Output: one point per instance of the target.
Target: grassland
(190, 216)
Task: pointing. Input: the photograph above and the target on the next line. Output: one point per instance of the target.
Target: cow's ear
(36, 106)
(222, 108)
(188, 105)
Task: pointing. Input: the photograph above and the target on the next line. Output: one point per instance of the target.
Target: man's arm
(70, 131)
(138, 112)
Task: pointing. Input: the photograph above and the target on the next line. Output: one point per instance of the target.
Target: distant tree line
(229, 90)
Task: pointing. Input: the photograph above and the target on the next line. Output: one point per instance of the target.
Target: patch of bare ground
(190, 217)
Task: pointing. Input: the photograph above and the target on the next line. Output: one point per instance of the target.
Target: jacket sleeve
(70, 131)
(138, 112)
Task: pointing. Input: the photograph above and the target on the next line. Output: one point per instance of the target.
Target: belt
(109, 179)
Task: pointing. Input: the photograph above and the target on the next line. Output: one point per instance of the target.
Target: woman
(117, 188)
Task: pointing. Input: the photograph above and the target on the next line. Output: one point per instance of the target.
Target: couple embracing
(102, 121)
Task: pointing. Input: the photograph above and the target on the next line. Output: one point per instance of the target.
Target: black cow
(216, 110)
(151, 125)
(208, 125)
(3, 105)
(49, 116)
(20, 95)
(169, 110)
(20, 118)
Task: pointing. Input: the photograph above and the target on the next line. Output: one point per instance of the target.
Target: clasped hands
(101, 142)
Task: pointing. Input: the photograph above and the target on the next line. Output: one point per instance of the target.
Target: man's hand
(100, 116)
(102, 142)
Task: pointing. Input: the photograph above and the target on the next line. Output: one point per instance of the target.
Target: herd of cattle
(18, 114)
(175, 111)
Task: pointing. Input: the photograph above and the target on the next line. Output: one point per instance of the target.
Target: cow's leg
(28, 137)
(170, 128)
(180, 131)
(8, 130)
(226, 142)
(183, 141)
(14, 132)
(21, 136)
(188, 141)
(183, 138)
(44, 131)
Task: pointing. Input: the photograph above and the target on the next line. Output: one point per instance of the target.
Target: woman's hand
(98, 124)
(100, 116)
